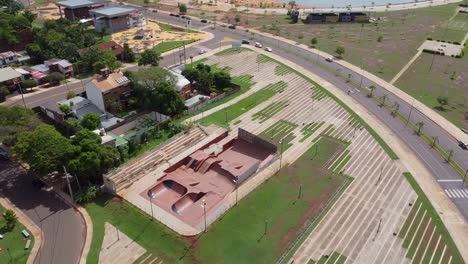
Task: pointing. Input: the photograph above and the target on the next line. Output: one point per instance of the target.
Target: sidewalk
(32, 227)
(449, 213)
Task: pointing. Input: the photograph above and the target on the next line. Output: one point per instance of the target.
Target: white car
(1, 236)
(268, 49)
(329, 59)
(258, 45)
(201, 51)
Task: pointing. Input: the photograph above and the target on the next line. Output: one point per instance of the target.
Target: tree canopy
(11, 24)
(91, 121)
(150, 57)
(155, 89)
(203, 79)
(15, 120)
(44, 149)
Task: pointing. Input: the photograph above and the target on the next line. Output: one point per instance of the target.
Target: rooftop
(80, 3)
(112, 81)
(8, 73)
(112, 11)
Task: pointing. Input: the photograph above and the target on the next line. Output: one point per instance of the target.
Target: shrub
(54, 78)
(11, 219)
(429, 38)
(3, 93)
(87, 195)
(29, 83)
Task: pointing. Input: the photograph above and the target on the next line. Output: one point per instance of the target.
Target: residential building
(114, 19)
(359, 17)
(330, 18)
(9, 78)
(7, 58)
(108, 86)
(345, 17)
(79, 106)
(59, 65)
(75, 10)
(110, 45)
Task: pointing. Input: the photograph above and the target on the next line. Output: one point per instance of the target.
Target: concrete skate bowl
(186, 202)
(167, 191)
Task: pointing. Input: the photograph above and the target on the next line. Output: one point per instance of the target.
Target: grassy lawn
(171, 28)
(247, 241)
(446, 78)
(170, 45)
(281, 130)
(430, 214)
(223, 117)
(14, 241)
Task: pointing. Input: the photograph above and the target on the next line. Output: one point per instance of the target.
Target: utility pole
(300, 192)
(464, 178)
(68, 183)
(237, 188)
(281, 154)
(204, 213)
(150, 195)
(266, 227)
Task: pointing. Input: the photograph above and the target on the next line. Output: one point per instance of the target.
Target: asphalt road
(441, 170)
(63, 227)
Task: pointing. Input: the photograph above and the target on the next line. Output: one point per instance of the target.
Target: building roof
(61, 62)
(112, 11)
(8, 73)
(7, 54)
(80, 3)
(40, 68)
(195, 100)
(109, 45)
(22, 71)
(181, 81)
(114, 80)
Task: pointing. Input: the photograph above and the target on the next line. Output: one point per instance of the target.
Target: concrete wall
(94, 95)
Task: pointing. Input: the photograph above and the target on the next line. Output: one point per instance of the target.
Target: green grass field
(423, 228)
(269, 111)
(223, 117)
(447, 77)
(12, 245)
(247, 242)
(170, 45)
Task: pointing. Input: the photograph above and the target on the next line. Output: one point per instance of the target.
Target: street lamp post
(151, 196)
(266, 227)
(237, 189)
(281, 154)
(204, 212)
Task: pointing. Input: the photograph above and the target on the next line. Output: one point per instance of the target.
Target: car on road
(154, 10)
(202, 51)
(329, 59)
(463, 144)
(258, 45)
(171, 14)
(244, 41)
(204, 21)
(182, 16)
(268, 49)
(177, 15)
(232, 26)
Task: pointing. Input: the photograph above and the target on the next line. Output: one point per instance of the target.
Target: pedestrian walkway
(457, 193)
(117, 247)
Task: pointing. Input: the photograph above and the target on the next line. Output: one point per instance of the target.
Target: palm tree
(384, 98)
(396, 107)
(371, 88)
(449, 155)
(434, 140)
(420, 125)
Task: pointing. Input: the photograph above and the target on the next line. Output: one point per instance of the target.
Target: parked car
(201, 51)
(182, 16)
(232, 26)
(268, 49)
(154, 11)
(204, 21)
(171, 14)
(244, 41)
(258, 45)
(329, 59)
(176, 15)
(463, 145)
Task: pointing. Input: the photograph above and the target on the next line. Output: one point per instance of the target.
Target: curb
(30, 225)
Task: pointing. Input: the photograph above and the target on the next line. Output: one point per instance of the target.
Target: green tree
(44, 149)
(183, 8)
(150, 57)
(237, 18)
(340, 51)
(419, 125)
(10, 219)
(65, 109)
(15, 120)
(28, 84)
(128, 54)
(113, 105)
(91, 121)
(3, 93)
(222, 80)
(314, 41)
(110, 60)
(71, 94)
(443, 101)
(54, 78)
(71, 125)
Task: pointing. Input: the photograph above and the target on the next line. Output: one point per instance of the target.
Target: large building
(107, 87)
(114, 19)
(345, 17)
(79, 9)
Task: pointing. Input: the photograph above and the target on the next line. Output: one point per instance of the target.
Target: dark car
(463, 145)
(182, 16)
(232, 26)
(154, 11)
(244, 41)
(204, 21)
(177, 15)
(171, 14)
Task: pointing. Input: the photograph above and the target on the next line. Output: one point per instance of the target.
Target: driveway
(63, 227)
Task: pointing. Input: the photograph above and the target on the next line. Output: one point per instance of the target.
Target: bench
(28, 243)
(25, 233)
